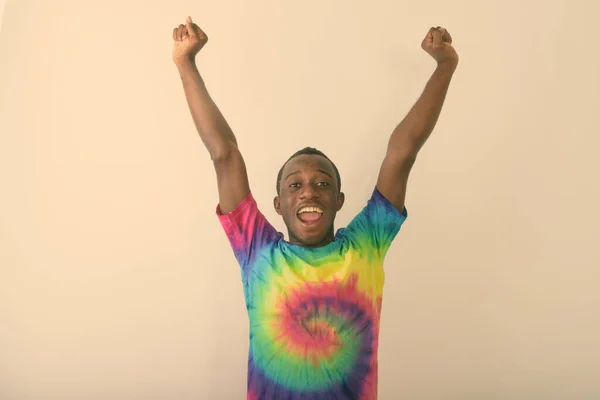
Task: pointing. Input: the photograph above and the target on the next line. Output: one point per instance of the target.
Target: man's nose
(309, 192)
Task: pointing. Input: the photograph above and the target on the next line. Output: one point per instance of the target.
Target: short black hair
(313, 151)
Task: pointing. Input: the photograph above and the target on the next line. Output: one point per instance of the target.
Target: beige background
(116, 281)
(2, 4)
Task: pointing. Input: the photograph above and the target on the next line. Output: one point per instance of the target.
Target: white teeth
(310, 209)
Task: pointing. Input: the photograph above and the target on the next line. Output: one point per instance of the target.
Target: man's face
(309, 199)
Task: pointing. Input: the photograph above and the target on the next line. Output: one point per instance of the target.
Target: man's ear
(340, 200)
(277, 205)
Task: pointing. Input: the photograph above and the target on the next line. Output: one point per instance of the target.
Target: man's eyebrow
(325, 172)
(292, 173)
(319, 170)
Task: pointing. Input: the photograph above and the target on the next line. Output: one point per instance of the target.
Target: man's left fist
(438, 44)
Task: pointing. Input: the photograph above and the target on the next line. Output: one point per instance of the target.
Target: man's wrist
(184, 62)
(448, 65)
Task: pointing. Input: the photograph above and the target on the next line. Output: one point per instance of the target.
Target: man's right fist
(189, 40)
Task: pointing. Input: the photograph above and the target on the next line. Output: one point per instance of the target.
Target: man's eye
(294, 184)
(323, 184)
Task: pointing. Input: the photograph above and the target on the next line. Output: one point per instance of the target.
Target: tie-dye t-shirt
(313, 312)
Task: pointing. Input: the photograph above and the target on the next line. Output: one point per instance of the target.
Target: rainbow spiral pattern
(314, 313)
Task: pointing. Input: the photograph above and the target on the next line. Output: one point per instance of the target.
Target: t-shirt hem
(228, 217)
(403, 215)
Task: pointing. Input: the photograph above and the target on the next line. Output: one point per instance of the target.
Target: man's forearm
(214, 130)
(414, 130)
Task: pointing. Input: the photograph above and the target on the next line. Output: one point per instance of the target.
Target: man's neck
(328, 239)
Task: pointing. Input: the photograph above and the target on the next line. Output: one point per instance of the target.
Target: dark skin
(314, 186)
(309, 180)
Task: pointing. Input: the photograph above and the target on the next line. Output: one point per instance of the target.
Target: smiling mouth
(310, 215)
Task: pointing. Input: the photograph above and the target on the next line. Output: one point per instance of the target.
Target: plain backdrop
(117, 282)
(2, 3)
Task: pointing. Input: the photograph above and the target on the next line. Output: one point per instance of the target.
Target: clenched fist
(438, 44)
(189, 40)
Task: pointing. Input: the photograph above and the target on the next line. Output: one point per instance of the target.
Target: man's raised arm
(217, 136)
(414, 130)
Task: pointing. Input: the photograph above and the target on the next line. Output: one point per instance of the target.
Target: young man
(313, 301)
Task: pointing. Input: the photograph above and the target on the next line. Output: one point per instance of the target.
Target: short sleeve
(375, 227)
(247, 230)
